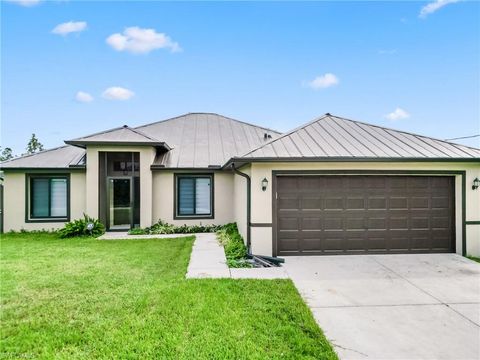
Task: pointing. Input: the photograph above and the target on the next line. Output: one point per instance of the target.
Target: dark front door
(120, 203)
(321, 215)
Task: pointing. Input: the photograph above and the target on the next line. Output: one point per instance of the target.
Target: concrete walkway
(120, 235)
(393, 306)
(208, 261)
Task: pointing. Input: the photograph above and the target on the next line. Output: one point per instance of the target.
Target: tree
(6, 154)
(34, 145)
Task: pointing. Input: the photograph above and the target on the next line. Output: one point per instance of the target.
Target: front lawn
(85, 298)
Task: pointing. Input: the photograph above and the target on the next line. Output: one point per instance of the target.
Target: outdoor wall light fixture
(476, 184)
(265, 184)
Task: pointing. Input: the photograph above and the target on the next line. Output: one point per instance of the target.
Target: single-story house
(331, 186)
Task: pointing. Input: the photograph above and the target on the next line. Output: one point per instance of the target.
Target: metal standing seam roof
(339, 138)
(206, 140)
(61, 157)
(203, 140)
(119, 136)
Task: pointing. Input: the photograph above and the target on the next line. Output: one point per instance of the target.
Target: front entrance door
(120, 203)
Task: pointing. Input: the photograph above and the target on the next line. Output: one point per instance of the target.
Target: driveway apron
(424, 306)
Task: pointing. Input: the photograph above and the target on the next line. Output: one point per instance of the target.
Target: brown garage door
(321, 215)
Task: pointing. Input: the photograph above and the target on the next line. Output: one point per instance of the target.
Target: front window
(194, 196)
(48, 197)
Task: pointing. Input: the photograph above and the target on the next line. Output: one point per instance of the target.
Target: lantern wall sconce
(476, 184)
(264, 184)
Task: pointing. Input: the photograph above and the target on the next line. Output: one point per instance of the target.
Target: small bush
(40, 232)
(137, 231)
(79, 228)
(235, 249)
(162, 227)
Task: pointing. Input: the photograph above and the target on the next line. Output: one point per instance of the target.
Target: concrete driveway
(393, 306)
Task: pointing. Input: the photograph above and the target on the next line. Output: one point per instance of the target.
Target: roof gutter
(243, 161)
(249, 187)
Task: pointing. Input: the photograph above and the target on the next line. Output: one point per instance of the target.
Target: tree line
(33, 146)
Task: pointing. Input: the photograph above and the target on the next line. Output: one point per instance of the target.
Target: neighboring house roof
(119, 136)
(333, 137)
(61, 157)
(202, 140)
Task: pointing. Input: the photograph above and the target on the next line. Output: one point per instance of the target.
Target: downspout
(238, 172)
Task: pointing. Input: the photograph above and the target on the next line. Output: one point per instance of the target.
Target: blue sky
(274, 64)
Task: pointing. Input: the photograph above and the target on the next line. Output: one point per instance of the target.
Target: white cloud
(83, 97)
(397, 114)
(69, 27)
(434, 6)
(141, 41)
(26, 3)
(117, 93)
(323, 81)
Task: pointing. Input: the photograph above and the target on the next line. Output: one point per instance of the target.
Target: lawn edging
(208, 260)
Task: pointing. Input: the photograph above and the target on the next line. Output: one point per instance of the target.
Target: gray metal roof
(336, 137)
(201, 140)
(119, 136)
(61, 157)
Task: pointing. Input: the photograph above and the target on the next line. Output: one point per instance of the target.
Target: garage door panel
(440, 202)
(377, 243)
(420, 223)
(336, 203)
(353, 224)
(311, 223)
(418, 182)
(398, 223)
(288, 223)
(420, 242)
(441, 222)
(356, 203)
(332, 224)
(419, 202)
(398, 203)
(364, 214)
(376, 223)
(377, 203)
(286, 203)
(355, 245)
(311, 203)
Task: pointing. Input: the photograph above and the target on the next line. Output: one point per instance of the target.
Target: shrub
(235, 249)
(162, 227)
(137, 231)
(79, 228)
(24, 231)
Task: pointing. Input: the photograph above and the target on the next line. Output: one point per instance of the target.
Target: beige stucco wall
(147, 156)
(14, 201)
(262, 200)
(163, 199)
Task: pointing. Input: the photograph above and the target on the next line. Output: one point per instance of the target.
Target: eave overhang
(241, 161)
(83, 144)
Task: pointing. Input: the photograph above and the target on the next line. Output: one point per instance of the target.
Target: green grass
(85, 298)
(474, 258)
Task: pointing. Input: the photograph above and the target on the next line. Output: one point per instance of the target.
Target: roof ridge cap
(209, 113)
(100, 132)
(142, 133)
